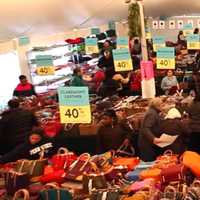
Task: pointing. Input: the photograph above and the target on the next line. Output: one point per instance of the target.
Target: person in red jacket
(24, 88)
(135, 84)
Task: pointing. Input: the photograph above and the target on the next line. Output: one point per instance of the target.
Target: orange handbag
(191, 160)
(153, 173)
(131, 163)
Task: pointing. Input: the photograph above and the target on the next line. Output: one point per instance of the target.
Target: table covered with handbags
(109, 176)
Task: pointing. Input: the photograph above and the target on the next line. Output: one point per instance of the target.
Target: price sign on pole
(74, 105)
(95, 31)
(158, 42)
(122, 42)
(91, 46)
(187, 29)
(193, 41)
(122, 60)
(45, 65)
(166, 58)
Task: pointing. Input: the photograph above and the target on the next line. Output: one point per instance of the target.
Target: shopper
(35, 145)
(194, 124)
(135, 84)
(24, 88)
(77, 79)
(111, 134)
(136, 47)
(106, 61)
(150, 131)
(15, 125)
(107, 45)
(169, 83)
(109, 87)
(196, 31)
(172, 125)
(181, 39)
(194, 84)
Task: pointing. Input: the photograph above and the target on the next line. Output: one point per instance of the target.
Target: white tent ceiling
(39, 17)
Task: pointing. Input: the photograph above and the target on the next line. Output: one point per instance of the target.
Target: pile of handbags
(67, 176)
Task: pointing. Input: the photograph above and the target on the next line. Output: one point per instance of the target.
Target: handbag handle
(51, 185)
(24, 192)
(62, 150)
(123, 148)
(168, 153)
(170, 189)
(79, 158)
(196, 183)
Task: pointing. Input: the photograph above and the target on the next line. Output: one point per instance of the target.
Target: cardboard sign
(158, 42)
(122, 42)
(166, 58)
(172, 24)
(147, 71)
(91, 46)
(95, 31)
(155, 25)
(193, 41)
(187, 29)
(122, 60)
(24, 41)
(74, 105)
(45, 65)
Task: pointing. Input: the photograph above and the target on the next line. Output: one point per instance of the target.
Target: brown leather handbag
(33, 168)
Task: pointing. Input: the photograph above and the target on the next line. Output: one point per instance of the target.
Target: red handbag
(51, 128)
(56, 176)
(77, 168)
(174, 173)
(63, 159)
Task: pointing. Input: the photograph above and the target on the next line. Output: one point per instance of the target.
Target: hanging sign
(158, 42)
(193, 41)
(172, 24)
(187, 29)
(45, 65)
(95, 31)
(91, 46)
(166, 58)
(122, 42)
(111, 25)
(161, 24)
(180, 24)
(24, 41)
(74, 105)
(122, 60)
(147, 71)
(155, 25)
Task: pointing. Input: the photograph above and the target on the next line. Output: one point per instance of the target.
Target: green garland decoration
(134, 20)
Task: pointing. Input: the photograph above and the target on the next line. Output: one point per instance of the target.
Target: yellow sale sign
(75, 114)
(45, 70)
(91, 49)
(123, 65)
(165, 63)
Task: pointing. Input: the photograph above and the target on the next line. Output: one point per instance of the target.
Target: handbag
(91, 181)
(191, 160)
(105, 194)
(51, 127)
(174, 173)
(53, 192)
(130, 163)
(33, 168)
(15, 181)
(77, 168)
(153, 173)
(21, 194)
(167, 159)
(63, 159)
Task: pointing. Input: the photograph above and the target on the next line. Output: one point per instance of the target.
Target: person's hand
(157, 141)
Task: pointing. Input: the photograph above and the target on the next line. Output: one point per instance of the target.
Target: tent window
(9, 73)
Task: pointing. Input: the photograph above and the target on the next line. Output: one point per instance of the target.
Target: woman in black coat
(150, 132)
(172, 125)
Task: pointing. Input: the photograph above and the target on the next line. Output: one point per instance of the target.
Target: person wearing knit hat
(111, 134)
(173, 113)
(172, 125)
